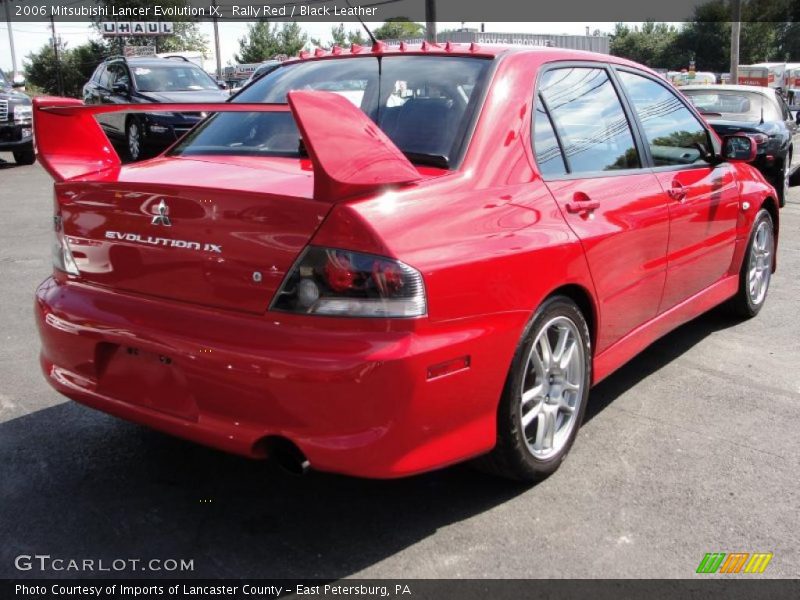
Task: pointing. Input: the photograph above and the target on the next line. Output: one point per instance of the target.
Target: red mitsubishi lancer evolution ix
(383, 261)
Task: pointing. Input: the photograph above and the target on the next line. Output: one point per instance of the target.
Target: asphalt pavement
(693, 447)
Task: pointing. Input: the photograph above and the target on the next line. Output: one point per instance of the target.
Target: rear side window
(672, 131)
(545, 144)
(589, 120)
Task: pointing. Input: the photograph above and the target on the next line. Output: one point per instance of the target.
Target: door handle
(677, 192)
(581, 204)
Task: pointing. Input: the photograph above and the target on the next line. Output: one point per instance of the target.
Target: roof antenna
(364, 25)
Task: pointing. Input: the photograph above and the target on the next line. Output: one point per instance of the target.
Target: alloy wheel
(760, 263)
(134, 140)
(552, 387)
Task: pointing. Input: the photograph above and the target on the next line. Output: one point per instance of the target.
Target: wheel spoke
(532, 394)
(538, 365)
(561, 344)
(566, 406)
(547, 351)
(570, 387)
(529, 416)
(568, 353)
(549, 419)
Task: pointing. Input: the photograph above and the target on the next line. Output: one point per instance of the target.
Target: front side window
(424, 104)
(589, 120)
(674, 134)
(117, 74)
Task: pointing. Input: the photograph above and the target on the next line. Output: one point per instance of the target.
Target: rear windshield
(424, 104)
(733, 105)
(172, 78)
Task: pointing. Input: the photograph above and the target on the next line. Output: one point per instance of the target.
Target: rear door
(703, 199)
(590, 160)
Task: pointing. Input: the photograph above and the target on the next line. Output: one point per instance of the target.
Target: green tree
(399, 28)
(340, 37)
(77, 66)
(651, 45)
(264, 41)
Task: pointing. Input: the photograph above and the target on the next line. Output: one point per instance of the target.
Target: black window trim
(539, 98)
(640, 128)
(638, 140)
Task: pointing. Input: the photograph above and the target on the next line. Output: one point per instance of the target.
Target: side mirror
(738, 148)
(222, 85)
(121, 88)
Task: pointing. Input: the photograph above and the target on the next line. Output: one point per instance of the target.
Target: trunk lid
(228, 246)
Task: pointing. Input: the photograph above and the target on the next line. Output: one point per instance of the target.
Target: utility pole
(55, 54)
(11, 41)
(736, 28)
(430, 20)
(216, 45)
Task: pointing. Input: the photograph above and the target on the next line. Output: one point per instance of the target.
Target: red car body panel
(183, 341)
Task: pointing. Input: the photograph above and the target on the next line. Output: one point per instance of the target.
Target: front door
(703, 199)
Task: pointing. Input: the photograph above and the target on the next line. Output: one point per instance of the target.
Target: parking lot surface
(693, 447)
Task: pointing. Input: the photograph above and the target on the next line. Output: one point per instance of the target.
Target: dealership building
(591, 43)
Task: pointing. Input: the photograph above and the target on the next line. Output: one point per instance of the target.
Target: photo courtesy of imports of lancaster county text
(399, 299)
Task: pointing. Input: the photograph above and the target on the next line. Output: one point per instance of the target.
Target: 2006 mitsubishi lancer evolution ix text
(381, 261)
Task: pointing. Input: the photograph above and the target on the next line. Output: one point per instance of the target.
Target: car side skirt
(640, 338)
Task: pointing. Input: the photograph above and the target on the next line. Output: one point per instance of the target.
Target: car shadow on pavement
(657, 355)
(7, 164)
(76, 483)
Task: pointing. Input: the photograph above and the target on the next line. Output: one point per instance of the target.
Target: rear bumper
(358, 402)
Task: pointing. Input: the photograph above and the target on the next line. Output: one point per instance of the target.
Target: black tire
(511, 457)
(744, 304)
(134, 152)
(24, 157)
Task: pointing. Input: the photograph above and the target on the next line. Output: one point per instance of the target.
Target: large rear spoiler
(350, 154)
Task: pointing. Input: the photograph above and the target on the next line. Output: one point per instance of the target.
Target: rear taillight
(760, 138)
(327, 281)
(62, 255)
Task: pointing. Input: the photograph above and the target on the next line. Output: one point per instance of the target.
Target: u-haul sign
(136, 28)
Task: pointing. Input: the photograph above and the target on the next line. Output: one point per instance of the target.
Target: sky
(30, 36)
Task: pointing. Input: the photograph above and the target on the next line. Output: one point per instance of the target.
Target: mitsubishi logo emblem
(161, 218)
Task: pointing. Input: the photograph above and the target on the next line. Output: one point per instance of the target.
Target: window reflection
(589, 119)
(674, 134)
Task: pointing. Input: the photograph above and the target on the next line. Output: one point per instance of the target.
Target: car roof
(730, 87)
(149, 61)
